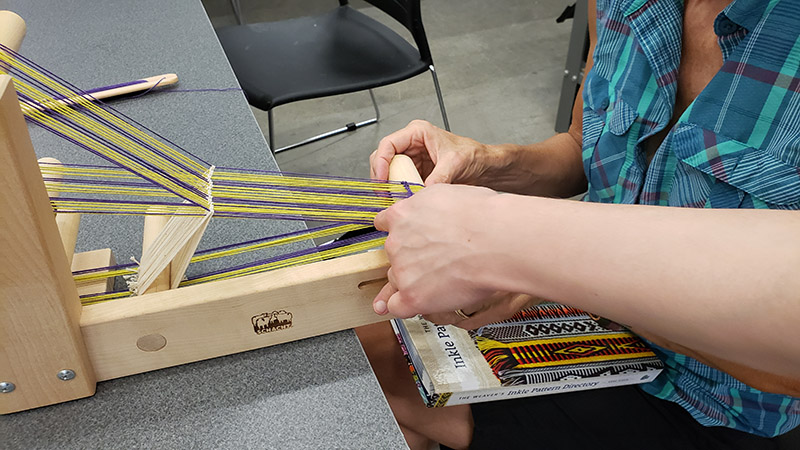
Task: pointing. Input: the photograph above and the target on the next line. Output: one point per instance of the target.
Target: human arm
(549, 168)
(720, 282)
(758, 379)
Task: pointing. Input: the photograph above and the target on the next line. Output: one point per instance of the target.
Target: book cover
(545, 349)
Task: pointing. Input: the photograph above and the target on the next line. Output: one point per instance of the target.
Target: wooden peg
(143, 84)
(103, 93)
(68, 224)
(12, 30)
(402, 168)
(152, 227)
(94, 259)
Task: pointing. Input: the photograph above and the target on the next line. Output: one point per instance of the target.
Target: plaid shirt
(736, 146)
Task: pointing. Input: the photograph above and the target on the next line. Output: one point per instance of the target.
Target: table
(315, 393)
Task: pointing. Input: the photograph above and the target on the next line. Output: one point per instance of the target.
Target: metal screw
(66, 375)
(6, 387)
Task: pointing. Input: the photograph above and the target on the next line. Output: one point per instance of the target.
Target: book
(546, 349)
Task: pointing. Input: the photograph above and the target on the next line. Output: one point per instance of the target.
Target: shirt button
(723, 26)
(604, 104)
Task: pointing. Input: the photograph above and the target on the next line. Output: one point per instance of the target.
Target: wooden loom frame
(44, 329)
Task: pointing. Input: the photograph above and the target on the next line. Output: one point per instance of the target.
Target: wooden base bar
(230, 316)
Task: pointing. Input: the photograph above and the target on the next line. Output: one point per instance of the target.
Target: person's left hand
(441, 249)
(499, 306)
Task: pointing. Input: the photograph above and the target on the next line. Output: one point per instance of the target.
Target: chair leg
(375, 105)
(237, 11)
(439, 96)
(271, 131)
(352, 126)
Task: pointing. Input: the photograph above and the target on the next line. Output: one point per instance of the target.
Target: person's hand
(499, 306)
(440, 156)
(442, 249)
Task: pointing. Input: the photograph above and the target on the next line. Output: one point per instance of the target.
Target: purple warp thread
(86, 147)
(203, 90)
(78, 91)
(224, 247)
(66, 122)
(106, 88)
(327, 246)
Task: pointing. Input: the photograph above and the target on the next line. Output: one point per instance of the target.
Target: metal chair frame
(348, 127)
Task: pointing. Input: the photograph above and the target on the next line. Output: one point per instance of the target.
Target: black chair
(337, 52)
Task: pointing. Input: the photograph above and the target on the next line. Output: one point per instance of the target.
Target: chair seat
(308, 57)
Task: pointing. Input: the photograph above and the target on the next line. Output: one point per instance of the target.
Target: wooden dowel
(68, 224)
(402, 168)
(152, 227)
(12, 30)
(145, 84)
(166, 79)
(92, 260)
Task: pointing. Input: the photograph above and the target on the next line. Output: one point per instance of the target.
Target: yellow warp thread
(165, 168)
(329, 232)
(263, 195)
(296, 261)
(186, 184)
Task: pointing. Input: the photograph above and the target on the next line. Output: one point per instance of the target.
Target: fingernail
(380, 307)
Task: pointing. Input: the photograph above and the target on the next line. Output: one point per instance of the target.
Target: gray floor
(500, 64)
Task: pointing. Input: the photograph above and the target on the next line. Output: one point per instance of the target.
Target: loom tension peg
(7, 387)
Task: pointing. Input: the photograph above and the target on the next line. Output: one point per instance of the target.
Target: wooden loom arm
(39, 304)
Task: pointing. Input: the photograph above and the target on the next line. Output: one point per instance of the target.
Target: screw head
(6, 387)
(66, 375)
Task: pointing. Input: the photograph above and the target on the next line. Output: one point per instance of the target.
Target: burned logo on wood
(272, 321)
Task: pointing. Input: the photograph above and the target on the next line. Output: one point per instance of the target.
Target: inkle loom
(107, 334)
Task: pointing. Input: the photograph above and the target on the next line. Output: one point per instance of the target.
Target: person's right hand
(440, 156)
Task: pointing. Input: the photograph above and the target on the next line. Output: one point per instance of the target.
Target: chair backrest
(408, 13)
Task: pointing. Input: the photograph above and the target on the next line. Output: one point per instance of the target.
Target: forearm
(551, 168)
(758, 379)
(722, 282)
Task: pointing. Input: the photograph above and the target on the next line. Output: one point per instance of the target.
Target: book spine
(507, 392)
(421, 380)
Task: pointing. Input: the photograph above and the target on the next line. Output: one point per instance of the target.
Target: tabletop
(314, 393)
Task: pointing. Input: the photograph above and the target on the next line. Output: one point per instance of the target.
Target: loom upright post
(43, 359)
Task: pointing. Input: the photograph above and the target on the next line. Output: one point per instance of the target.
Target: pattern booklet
(546, 349)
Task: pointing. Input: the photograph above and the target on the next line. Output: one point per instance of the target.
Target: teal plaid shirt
(736, 146)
